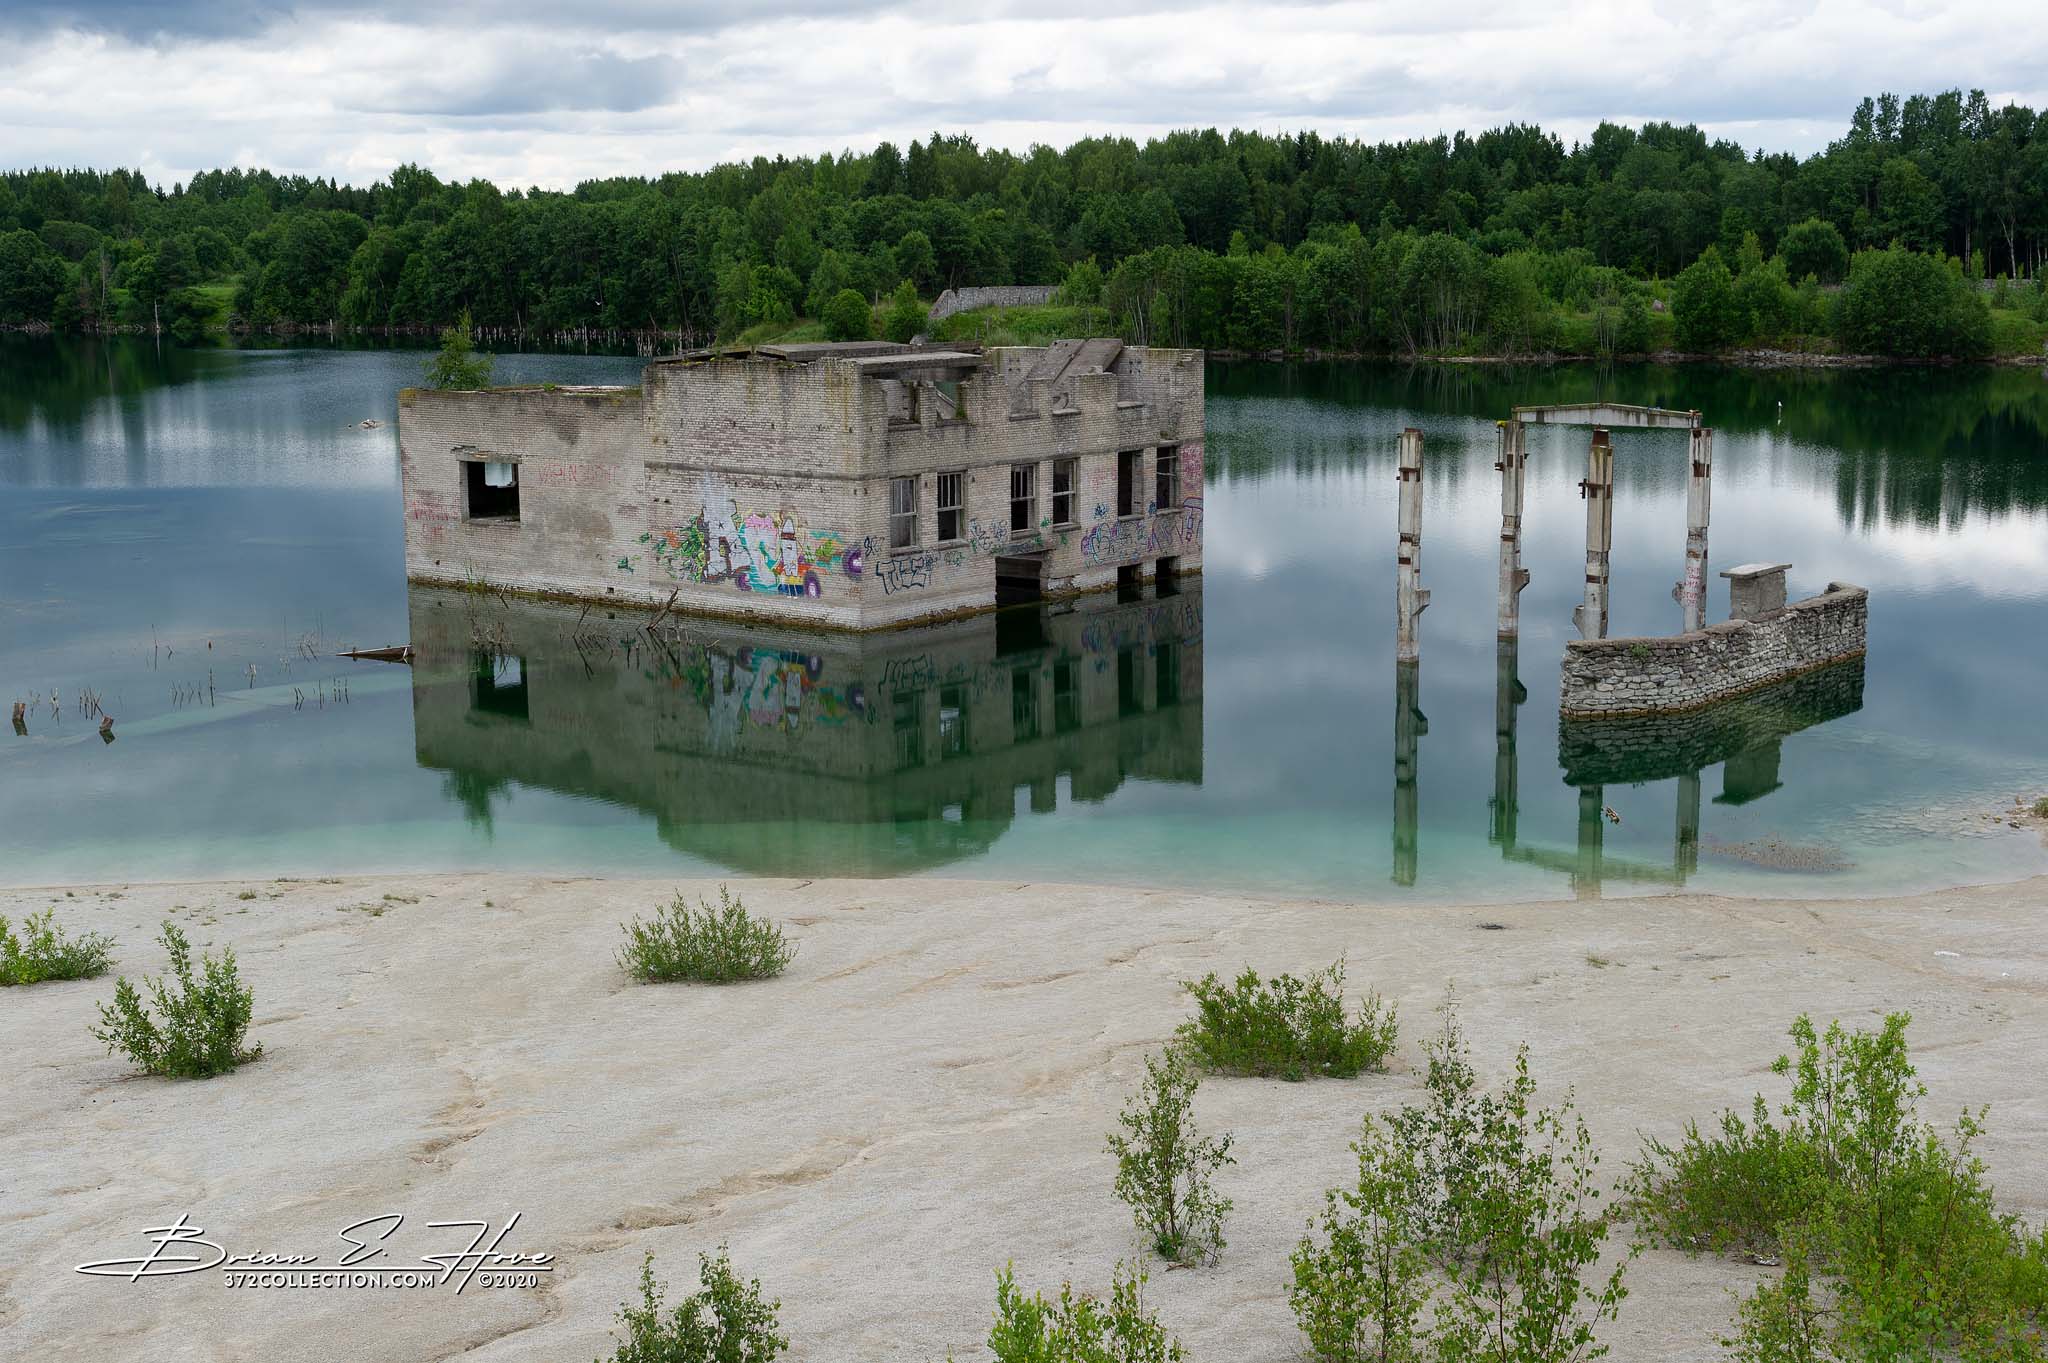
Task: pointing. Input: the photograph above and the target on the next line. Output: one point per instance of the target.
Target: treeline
(1407, 293)
(1275, 241)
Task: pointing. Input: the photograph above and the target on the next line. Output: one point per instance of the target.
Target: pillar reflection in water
(1409, 726)
(1508, 695)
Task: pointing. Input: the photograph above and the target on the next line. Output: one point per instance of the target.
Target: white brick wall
(758, 487)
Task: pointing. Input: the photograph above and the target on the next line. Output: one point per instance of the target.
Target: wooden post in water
(1598, 490)
(1410, 600)
(1692, 593)
(1514, 451)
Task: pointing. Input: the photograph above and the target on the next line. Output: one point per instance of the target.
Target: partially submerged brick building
(859, 485)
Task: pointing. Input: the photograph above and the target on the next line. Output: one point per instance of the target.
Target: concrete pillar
(1514, 453)
(1508, 695)
(1410, 600)
(1685, 857)
(1598, 490)
(1692, 592)
(1409, 726)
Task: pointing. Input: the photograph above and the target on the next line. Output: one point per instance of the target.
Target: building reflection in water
(1743, 736)
(769, 750)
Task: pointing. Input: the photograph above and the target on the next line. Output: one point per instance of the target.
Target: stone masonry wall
(1608, 677)
(991, 296)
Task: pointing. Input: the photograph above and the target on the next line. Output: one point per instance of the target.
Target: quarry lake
(189, 535)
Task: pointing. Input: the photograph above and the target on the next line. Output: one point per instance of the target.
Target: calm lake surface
(189, 535)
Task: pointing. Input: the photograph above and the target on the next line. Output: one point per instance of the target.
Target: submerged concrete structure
(859, 485)
(1764, 640)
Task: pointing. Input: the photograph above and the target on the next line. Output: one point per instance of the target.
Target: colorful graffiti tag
(757, 552)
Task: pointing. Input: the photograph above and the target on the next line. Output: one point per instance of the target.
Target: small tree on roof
(458, 365)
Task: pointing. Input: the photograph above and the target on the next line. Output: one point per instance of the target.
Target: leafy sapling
(1164, 1164)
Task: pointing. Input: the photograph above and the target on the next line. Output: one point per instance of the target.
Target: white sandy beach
(921, 1098)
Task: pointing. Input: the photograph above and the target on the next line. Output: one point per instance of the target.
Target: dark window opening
(902, 513)
(498, 685)
(1023, 498)
(951, 501)
(1166, 479)
(1066, 476)
(1165, 576)
(1127, 482)
(493, 489)
(1066, 697)
(1128, 584)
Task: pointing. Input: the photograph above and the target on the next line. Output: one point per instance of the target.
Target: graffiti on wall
(906, 572)
(755, 552)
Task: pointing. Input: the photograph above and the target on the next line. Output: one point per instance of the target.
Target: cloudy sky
(550, 92)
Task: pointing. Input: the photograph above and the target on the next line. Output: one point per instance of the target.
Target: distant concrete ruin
(990, 296)
(860, 485)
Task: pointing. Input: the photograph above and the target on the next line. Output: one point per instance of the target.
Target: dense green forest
(1634, 240)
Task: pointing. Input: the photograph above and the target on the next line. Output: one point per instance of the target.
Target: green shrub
(2041, 808)
(1475, 1202)
(197, 1031)
(48, 954)
(711, 946)
(1164, 1164)
(1709, 313)
(1900, 302)
(848, 318)
(1079, 1329)
(1287, 1027)
(905, 316)
(1851, 1187)
(724, 1321)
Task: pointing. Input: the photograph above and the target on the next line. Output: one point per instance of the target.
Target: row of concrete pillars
(1411, 598)
(1588, 865)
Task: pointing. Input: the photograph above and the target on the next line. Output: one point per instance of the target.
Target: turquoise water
(172, 519)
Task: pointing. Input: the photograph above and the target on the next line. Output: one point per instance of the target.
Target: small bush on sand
(2041, 808)
(197, 1031)
(710, 946)
(1891, 1243)
(724, 1321)
(1286, 1027)
(1475, 1202)
(1164, 1164)
(1079, 1329)
(45, 953)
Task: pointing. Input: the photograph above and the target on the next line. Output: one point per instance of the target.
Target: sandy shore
(921, 1098)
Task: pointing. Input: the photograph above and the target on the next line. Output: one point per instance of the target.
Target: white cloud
(510, 92)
